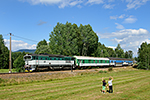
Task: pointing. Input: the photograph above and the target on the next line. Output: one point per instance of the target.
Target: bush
(100, 71)
(105, 71)
(110, 69)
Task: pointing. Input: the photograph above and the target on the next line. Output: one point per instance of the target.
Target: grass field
(6, 70)
(129, 84)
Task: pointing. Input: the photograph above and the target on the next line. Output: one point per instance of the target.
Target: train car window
(105, 61)
(46, 58)
(36, 58)
(94, 61)
(33, 57)
(83, 61)
(72, 58)
(54, 58)
(67, 58)
(27, 57)
(97, 61)
(111, 61)
(41, 58)
(101, 61)
(58, 58)
(79, 61)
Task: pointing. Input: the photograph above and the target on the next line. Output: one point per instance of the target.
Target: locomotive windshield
(27, 57)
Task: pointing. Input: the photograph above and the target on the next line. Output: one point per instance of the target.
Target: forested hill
(26, 50)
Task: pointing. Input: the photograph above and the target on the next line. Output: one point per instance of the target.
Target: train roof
(50, 55)
(94, 58)
(113, 58)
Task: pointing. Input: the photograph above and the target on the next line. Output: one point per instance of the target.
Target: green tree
(19, 62)
(130, 53)
(103, 51)
(4, 54)
(44, 42)
(143, 56)
(126, 55)
(111, 52)
(89, 40)
(119, 51)
(43, 49)
(64, 39)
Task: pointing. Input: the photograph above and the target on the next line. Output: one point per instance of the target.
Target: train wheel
(36, 69)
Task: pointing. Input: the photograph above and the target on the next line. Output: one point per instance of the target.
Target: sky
(124, 22)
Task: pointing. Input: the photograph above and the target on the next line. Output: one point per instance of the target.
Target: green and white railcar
(35, 61)
(83, 61)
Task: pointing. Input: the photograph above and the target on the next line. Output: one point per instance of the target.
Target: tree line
(17, 57)
(70, 39)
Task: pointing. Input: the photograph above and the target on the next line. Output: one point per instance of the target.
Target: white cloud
(108, 6)
(106, 3)
(130, 19)
(134, 4)
(35, 2)
(112, 47)
(60, 3)
(130, 39)
(119, 26)
(42, 22)
(117, 17)
(121, 16)
(114, 17)
(95, 1)
(111, 0)
(18, 44)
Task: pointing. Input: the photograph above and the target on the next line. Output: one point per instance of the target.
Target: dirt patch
(118, 92)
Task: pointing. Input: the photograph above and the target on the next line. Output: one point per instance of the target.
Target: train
(35, 61)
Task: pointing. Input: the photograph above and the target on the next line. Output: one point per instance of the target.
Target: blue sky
(115, 21)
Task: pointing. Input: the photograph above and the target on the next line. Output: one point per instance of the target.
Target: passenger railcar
(83, 61)
(120, 61)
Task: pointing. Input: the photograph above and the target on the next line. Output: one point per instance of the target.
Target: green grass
(128, 85)
(6, 70)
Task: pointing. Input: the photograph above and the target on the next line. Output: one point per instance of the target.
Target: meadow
(128, 84)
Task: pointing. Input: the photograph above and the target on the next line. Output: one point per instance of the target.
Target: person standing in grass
(103, 86)
(110, 84)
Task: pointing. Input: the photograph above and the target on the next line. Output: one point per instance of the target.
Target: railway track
(58, 71)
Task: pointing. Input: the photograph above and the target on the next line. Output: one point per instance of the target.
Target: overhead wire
(25, 38)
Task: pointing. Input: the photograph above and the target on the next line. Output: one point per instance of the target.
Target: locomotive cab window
(27, 57)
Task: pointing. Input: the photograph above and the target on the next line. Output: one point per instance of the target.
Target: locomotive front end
(27, 58)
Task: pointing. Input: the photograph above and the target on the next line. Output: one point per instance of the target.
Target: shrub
(105, 71)
(96, 70)
(110, 69)
(100, 71)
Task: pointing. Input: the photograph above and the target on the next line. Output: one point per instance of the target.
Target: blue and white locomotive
(35, 61)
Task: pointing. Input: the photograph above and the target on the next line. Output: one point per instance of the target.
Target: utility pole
(10, 55)
(148, 63)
